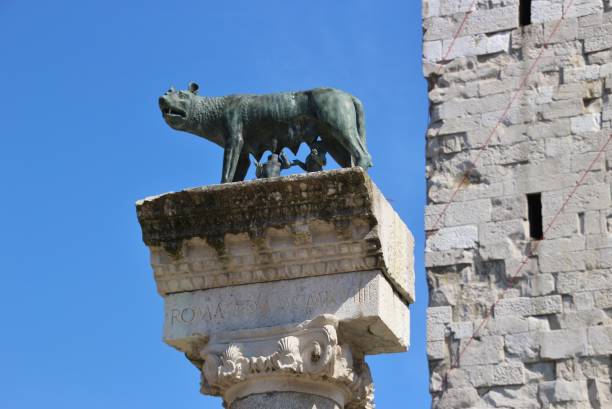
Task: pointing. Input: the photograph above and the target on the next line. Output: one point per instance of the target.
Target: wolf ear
(193, 87)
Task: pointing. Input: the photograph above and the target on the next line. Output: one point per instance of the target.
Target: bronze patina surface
(327, 119)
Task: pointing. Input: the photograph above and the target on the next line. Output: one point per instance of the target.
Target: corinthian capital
(302, 358)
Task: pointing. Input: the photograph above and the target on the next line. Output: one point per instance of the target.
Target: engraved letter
(189, 316)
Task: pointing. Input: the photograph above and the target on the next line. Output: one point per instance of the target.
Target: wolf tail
(361, 128)
(360, 117)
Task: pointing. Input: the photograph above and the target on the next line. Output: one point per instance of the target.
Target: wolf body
(246, 125)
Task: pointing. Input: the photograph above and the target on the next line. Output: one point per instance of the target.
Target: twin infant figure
(277, 162)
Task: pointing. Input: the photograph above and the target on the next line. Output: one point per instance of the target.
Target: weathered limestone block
(600, 299)
(504, 325)
(486, 350)
(436, 350)
(276, 289)
(525, 397)
(546, 10)
(364, 302)
(275, 229)
(600, 340)
(563, 391)
(481, 22)
(524, 346)
(526, 306)
(495, 375)
(460, 213)
(460, 237)
(439, 315)
(584, 281)
(582, 319)
(564, 343)
(460, 330)
(541, 284)
(454, 398)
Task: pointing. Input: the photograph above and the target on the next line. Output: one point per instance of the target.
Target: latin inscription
(235, 307)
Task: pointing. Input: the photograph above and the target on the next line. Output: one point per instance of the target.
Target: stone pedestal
(277, 288)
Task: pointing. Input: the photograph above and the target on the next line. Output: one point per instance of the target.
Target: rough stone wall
(515, 322)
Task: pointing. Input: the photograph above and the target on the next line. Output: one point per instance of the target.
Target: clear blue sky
(81, 139)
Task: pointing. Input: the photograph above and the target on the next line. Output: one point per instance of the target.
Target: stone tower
(519, 222)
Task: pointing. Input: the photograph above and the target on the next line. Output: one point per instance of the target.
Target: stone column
(276, 289)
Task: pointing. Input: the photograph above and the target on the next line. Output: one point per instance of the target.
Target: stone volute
(276, 289)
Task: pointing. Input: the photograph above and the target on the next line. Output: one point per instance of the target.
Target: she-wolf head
(177, 107)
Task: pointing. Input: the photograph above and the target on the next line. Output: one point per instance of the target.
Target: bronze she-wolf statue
(246, 125)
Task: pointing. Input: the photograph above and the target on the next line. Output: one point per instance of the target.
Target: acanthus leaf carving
(233, 364)
(288, 357)
(310, 351)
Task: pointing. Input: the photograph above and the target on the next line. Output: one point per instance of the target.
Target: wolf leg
(242, 168)
(354, 144)
(337, 151)
(233, 149)
(233, 145)
(230, 159)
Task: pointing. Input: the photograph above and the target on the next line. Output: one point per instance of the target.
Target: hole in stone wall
(553, 322)
(534, 207)
(561, 76)
(492, 269)
(581, 222)
(525, 12)
(592, 105)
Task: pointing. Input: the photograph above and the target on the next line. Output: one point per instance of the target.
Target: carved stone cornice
(254, 206)
(275, 229)
(303, 358)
